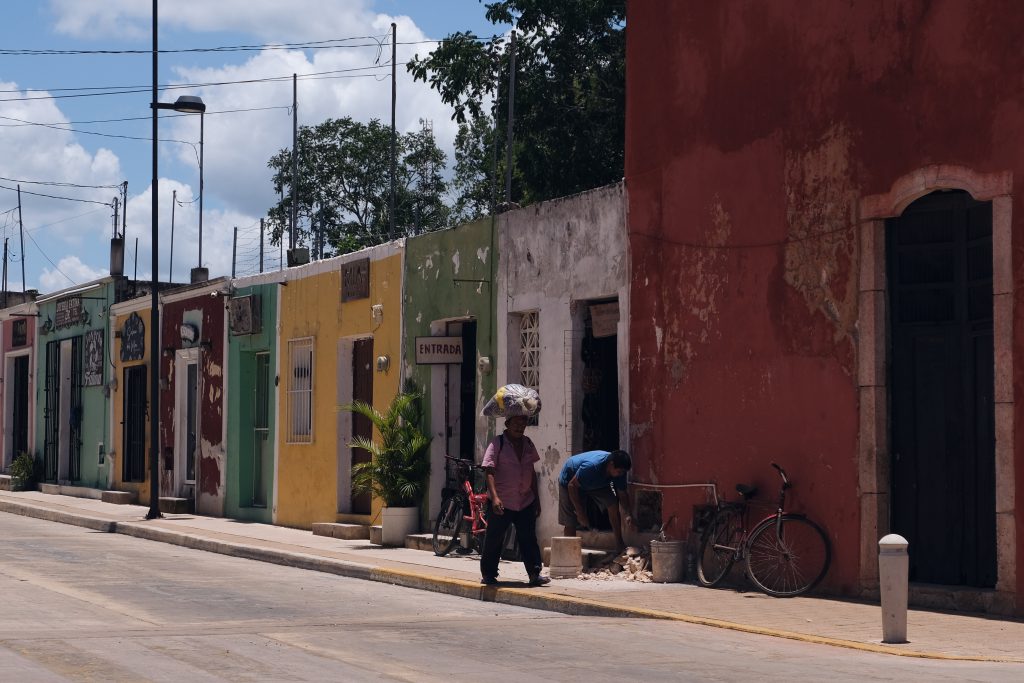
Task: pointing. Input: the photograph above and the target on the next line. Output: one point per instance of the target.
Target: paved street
(87, 606)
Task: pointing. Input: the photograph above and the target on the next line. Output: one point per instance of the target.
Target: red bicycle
(462, 507)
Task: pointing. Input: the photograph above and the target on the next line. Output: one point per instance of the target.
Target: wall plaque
(69, 312)
(604, 319)
(438, 350)
(19, 332)
(93, 371)
(133, 339)
(355, 280)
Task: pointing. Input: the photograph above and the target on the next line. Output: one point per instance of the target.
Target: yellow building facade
(129, 396)
(340, 339)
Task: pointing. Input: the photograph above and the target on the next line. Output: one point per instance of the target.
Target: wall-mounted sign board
(438, 350)
(355, 280)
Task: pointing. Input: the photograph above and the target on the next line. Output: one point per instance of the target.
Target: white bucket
(667, 561)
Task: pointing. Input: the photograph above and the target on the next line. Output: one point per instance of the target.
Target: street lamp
(188, 104)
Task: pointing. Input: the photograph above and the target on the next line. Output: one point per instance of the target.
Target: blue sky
(67, 241)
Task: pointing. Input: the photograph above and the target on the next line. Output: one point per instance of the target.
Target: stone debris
(633, 564)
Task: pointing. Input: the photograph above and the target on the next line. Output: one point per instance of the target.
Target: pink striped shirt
(513, 478)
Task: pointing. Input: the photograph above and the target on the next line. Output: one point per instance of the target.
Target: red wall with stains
(211, 468)
(753, 130)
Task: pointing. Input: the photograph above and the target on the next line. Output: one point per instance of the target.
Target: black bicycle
(786, 554)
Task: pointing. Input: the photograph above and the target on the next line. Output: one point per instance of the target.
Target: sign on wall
(604, 319)
(93, 371)
(438, 350)
(133, 339)
(355, 280)
(69, 312)
(19, 332)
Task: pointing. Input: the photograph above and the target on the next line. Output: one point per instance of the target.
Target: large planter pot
(397, 523)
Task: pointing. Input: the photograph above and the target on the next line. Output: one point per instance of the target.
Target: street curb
(518, 597)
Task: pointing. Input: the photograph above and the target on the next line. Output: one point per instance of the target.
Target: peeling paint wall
(553, 257)
(204, 310)
(448, 276)
(118, 315)
(26, 314)
(753, 130)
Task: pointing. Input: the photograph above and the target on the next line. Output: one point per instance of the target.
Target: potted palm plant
(399, 465)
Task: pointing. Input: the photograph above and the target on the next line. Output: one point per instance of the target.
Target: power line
(55, 266)
(127, 118)
(135, 89)
(102, 135)
(51, 196)
(306, 45)
(58, 184)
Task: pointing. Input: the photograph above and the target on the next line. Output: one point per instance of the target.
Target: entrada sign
(438, 350)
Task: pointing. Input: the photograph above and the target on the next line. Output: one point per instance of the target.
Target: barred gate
(134, 424)
(51, 411)
(75, 447)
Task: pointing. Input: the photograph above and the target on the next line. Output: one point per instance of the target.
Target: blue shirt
(591, 470)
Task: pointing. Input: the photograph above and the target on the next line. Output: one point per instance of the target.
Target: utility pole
(295, 160)
(5, 274)
(261, 245)
(511, 117)
(234, 251)
(170, 265)
(135, 276)
(21, 231)
(124, 212)
(394, 141)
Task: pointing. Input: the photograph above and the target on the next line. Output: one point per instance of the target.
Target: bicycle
(786, 553)
(453, 513)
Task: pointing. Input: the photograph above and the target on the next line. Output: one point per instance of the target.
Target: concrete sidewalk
(832, 622)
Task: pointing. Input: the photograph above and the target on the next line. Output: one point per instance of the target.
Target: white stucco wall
(552, 256)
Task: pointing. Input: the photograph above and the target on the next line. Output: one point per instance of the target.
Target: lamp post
(191, 105)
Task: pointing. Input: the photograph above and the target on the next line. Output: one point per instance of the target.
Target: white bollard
(566, 557)
(893, 569)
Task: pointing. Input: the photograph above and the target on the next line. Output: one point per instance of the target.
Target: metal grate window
(529, 350)
(300, 390)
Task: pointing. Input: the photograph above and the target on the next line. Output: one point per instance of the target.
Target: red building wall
(753, 131)
(211, 466)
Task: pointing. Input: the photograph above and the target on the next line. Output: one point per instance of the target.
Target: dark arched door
(942, 379)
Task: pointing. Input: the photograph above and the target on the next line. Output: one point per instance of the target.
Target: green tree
(473, 178)
(344, 185)
(570, 91)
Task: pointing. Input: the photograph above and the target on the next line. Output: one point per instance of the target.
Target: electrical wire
(55, 266)
(59, 184)
(128, 118)
(51, 196)
(329, 44)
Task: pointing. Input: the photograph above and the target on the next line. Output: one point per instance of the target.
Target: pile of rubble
(634, 564)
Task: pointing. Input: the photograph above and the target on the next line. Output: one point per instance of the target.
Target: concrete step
(52, 489)
(376, 535)
(348, 532)
(420, 541)
(175, 506)
(592, 557)
(71, 490)
(6, 483)
(118, 497)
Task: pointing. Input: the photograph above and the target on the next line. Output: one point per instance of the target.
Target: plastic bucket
(667, 561)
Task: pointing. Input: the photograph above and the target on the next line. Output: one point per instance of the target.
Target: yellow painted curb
(574, 605)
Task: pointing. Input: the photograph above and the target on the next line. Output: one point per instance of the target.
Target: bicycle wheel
(449, 523)
(718, 547)
(787, 557)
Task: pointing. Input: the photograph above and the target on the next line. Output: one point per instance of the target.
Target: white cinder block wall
(553, 258)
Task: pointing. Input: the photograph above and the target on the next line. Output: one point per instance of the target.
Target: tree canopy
(569, 96)
(343, 190)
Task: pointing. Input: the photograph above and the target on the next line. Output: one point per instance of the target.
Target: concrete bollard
(566, 557)
(893, 569)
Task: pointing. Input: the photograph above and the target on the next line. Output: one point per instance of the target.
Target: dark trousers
(526, 534)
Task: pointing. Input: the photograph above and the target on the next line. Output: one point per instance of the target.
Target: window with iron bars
(529, 350)
(300, 390)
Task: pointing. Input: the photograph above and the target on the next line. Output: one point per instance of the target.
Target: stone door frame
(872, 377)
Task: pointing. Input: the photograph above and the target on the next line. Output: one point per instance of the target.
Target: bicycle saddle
(747, 492)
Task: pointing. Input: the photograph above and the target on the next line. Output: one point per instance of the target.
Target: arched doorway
(941, 387)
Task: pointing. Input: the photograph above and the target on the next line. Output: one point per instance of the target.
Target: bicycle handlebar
(463, 463)
(782, 473)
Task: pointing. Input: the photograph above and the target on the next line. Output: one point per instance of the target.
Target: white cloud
(69, 271)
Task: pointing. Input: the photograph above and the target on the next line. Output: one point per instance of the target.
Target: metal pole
(511, 117)
(295, 160)
(261, 245)
(5, 274)
(280, 245)
(124, 213)
(202, 119)
(154, 319)
(170, 265)
(21, 231)
(135, 276)
(394, 136)
(234, 251)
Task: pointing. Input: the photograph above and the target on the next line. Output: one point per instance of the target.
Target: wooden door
(362, 390)
(135, 418)
(942, 388)
(20, 406)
